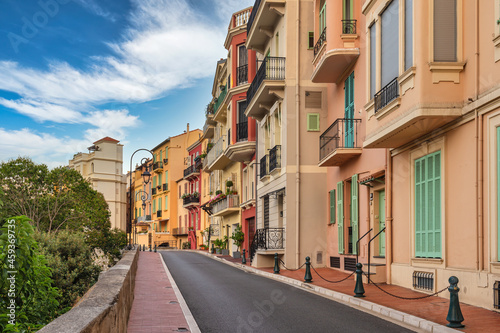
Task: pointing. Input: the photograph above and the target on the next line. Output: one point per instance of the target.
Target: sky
(75, 71)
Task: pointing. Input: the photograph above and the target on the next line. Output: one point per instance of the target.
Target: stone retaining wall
(106, 307)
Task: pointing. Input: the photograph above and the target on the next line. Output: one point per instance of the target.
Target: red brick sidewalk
(434, 309)
(155, 307)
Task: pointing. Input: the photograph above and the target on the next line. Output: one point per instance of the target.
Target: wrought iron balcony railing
(267, 239)
(190, 170)
(242, 75)
(157, 165)
(153, 190)
(343, 133)
(320, 42)
(230, 201)
(189, 200)
(165, 187)
(348, 27)
(221, 97)
(198, 164)
(272, 68)
(263, 166)
(275, 158)
(386, 94)
(242, 131)
(255, 8)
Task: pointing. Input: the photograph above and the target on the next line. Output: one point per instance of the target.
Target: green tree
(27, 298)
(70, 260)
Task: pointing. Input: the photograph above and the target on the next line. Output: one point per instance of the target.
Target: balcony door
(242, 71)
(242, 126)
(349, 111)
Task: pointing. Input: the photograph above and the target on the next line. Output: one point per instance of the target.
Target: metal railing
(216, 151)
(221, 97)
(230, 201)
(158, 213)
(189, 200)
(157, 165)
(369, 254)
(272, 68)
(275, 158)
(263, 166)
(190, 170)
(242, 75)
(255, 9)
(242, 131)
(343, 133)
(180, 231)
(165, 187)
(320, 42)
(386, 94)
(198, 164)
(267, 239)
(348, 27)
(153, 191)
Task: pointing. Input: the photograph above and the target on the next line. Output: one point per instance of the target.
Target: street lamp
(144, 197)
(146, 175)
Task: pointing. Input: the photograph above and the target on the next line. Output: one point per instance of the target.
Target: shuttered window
(313, 122)
(154, 206)
(428, 206)
(266, 211)
(445, 30)
(159, 203)
(390, 42)
(408, 34)
(166, 202)
(373, 61)
(333, 204)
(498, 192)
(354, 212)
(340, 215)
(322, 17)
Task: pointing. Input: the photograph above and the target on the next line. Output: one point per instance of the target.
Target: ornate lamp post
(144, 197)
(146, 175)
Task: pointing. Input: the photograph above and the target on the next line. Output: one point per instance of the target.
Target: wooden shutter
(166, 202)
(445, 30)
(354, 211)
(159, 203)
(340, 215)
(154, 206)
(333, 204)
(313, 122)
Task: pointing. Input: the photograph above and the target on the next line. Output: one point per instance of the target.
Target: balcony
(332, 64)
(264, 167)
(275, 158)
(158, 167)
(242, 131)
(386, 95)
(165, 187)
(243, 150)
(208, 130)
(165, 161)
(218, 103)
(267, 87)
(191, 201)
(153, 191)
(267, 239)
(230, 204)
(339, 143)
(181, 231)
(216, 160)
(191, 172)
(263, 19)
(242, 75)
(158, 213)
(144, 218)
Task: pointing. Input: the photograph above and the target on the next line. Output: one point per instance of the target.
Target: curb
(366, 306)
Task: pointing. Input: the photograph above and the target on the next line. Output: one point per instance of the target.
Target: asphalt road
(223, 298)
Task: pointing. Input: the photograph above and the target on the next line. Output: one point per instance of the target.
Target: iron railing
(165, 187)
(153, 191)
(198, 164)
(158, 213)
(230, 201)
(386, 94)
(272, 68)
(190, 170)
(219, 100)
(369, 255)
(263, 166)
(348, 27)
(180, 231)
(217, 150)
(423, 280)
(255, 9)
(189, 200)
(320, 42)
(343, 133)
(275, 158)
(157, 165)
(242, 75)
(242, 131)
(267, 239)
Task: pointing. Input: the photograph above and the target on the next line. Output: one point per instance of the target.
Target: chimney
(187, 131)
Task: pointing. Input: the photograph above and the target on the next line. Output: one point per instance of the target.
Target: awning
(374, 177)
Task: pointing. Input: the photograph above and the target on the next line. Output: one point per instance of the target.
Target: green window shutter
(140, 212)
(159, 203)
(154, 181)
(340, 215)
(166, 202)
(166, 152)
(333, 204)
(322, 18)
(136, 213)
(154, 206)
(166, 177)
(160, 155)
(498, 193)
(354, 212)
(428, 206)
(313, 122)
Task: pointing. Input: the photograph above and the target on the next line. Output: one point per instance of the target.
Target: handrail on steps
(369, 256)
(357, 244)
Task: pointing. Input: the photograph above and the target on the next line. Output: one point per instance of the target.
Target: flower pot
(218, 251)
(236, 255)
(225, 252)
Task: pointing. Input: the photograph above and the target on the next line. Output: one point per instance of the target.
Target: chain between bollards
(244, 260)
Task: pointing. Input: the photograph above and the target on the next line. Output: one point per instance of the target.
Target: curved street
(223, 298)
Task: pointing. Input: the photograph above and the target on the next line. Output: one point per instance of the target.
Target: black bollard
(276, 264)
(244, 260)
(149, 247)
(139, 248)
(155, 247)
(144, 247)
(308, 277)
(213, 249)
(359, 290)
(455, 316)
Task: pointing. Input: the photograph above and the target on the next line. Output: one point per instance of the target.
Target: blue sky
(74, 71)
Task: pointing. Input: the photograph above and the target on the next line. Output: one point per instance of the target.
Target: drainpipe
(297, 142)
(388, 218)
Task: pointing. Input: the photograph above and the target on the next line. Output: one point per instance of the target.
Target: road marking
(193, 326)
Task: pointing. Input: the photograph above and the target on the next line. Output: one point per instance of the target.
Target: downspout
(388, 218)
(297, 142)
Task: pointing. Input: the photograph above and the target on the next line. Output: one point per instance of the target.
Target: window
(310, 44)
(180, 191)
(408, 34)
(154, 206)
(348, 10)
(340, 215)
(333, 203)
(445, 30)
(390, 43)
(140, 213)
(428, 206)
(266, 211)
(136, 213)
(166, 202)
(349, 111)
(159, 203)
(166, 152)
(354, 212)
(373, 63)
(322, 16)
(313, 122)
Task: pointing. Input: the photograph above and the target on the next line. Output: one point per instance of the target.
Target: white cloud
(42, 111)
(109, 123)
(93, 7)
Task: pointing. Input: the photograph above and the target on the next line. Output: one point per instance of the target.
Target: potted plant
(238, 238)
(218, 245)
(218, 192)
(224, 250)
